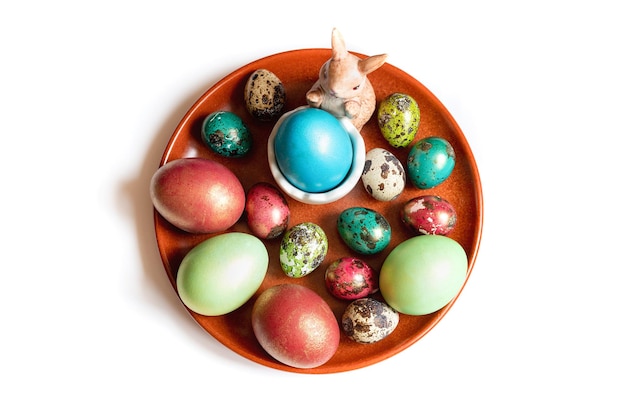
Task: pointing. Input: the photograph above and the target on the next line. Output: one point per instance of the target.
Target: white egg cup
(345, 187)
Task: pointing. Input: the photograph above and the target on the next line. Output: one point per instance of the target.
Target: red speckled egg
(267, 211)
(429, 215)
(350, 278)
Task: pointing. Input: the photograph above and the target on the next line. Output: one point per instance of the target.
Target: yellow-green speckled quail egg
(398, 119)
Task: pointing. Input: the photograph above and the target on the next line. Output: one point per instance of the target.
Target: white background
(90, 93)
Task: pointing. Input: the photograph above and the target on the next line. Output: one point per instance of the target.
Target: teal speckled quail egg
(364, 230)
(430, 162)
(226, 134)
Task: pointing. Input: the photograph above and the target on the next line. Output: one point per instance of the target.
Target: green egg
(302, 249)
(398, 119)
(423, 274)
(221, 273)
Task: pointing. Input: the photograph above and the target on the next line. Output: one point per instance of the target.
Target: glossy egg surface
(221, 273)
(364, 230)
(267, 210)
(295, 326)
(423, 274)
(350, 278)
(430, 162)
(302, 249)
(429, 215)
(226, 134)
(398, 119)
(313, 150)
(197, 195)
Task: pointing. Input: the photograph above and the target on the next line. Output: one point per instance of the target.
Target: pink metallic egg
(429, 215)
(267, 211)
(350, 278)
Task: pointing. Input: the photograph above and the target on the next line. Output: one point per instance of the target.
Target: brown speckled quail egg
(264, 95)
(369, 320)
(383, 175)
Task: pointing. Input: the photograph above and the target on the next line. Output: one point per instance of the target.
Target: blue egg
(364, 230)
(313, 150)
(226, 134)
(430, 162)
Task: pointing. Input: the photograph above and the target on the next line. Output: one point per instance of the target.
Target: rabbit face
(342, 87)
(340, 80)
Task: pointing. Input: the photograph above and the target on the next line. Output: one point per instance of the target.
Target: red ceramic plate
(298, 70)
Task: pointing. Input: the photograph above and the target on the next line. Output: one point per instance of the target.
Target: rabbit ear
(338, 45)
(367, 65)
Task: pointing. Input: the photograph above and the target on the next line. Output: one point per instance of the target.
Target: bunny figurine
(343, 88)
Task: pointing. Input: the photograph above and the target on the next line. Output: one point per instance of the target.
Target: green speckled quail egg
(398, 119)
(302, 249)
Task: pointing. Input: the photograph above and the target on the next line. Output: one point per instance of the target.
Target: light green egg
(222, 273)
(423, 274)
